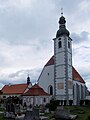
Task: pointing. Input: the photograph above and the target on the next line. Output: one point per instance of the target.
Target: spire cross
(61, 11)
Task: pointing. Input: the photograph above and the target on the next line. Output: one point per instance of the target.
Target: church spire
(28, 80)
(62, 27)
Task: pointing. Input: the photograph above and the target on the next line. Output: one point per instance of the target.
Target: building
(15, 90)
(36, 96)
(58, 77)
(30, 95)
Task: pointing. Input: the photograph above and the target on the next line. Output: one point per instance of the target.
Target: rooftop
(36, 90)
(14, 89)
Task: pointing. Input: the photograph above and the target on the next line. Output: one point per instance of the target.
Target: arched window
(68, 44)
(50, 88)
(59, 44)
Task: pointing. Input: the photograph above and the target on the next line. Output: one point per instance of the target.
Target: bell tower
(63, 84)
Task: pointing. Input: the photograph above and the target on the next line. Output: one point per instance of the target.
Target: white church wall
(69, 59)
(60, 58)
(70, 72)
(47, 78)
(60, 71)
(36, 100)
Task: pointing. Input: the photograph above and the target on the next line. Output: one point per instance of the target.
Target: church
(59, 78)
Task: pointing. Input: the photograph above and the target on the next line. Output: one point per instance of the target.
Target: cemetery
(13, 109)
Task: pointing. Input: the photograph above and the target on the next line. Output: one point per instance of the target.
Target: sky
(27, 28)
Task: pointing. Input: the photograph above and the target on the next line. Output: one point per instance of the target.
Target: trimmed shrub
(52, 105)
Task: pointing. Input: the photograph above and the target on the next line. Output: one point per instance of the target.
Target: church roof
(14, 89)
(75, 75)
(36, 90)
(50, 62)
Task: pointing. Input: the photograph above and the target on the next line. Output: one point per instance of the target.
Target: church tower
(63, 84)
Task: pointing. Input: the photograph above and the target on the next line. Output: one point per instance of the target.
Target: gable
(36, 90)
(75, 75)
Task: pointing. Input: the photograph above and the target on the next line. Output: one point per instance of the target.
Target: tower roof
(62, 28)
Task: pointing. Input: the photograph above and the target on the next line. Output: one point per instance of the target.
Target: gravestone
(12, 108)
(10, 111)
(61, 113)
(32, 115)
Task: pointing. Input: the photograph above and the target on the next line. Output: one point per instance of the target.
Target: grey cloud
(20, 76)
(3, 61)
(23, 26)
(68, 6)
(34, 26)
(77, 38)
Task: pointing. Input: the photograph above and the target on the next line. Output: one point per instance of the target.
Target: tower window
(68, 44)
(59, 44)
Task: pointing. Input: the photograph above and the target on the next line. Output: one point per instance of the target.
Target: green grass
(1, 117)
(81, 111)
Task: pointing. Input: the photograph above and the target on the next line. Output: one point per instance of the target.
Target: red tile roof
(75, 75)
(36, 90)
(50, 62)
(14, 89)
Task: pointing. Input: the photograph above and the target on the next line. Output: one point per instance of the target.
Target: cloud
(77, 38)
(27, 28)
(20, 26)
(20, 76)
(18, 4)
(81, 55)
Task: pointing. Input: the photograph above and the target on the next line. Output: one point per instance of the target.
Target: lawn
(1, 117)
(81, 111)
